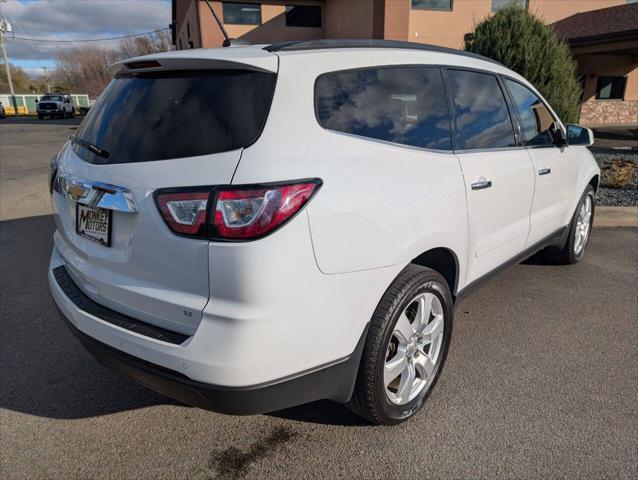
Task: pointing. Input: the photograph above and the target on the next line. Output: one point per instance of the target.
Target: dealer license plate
(94, 223)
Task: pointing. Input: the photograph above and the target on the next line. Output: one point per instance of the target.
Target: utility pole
(46, 79)
(4, 28)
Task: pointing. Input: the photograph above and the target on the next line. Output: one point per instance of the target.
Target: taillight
(184, 212)
(234, 213)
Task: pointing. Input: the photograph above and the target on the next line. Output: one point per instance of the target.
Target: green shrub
(521, 42)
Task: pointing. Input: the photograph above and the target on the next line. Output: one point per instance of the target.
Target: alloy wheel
(583, 225)
(414, 349)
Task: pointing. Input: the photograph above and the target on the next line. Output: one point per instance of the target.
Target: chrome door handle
(545, 171)
(481, 184)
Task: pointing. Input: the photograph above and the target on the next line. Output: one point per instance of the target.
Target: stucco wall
(449, 27)
(272, 29)
(188, 15)
(349, 19)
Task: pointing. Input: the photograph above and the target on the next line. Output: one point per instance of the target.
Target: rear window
(166, 115)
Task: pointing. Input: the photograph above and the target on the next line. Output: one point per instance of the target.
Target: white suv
(251, 228)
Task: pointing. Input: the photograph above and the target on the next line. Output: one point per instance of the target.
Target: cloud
(78, 19)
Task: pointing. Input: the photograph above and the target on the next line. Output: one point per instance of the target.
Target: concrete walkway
(616, 217)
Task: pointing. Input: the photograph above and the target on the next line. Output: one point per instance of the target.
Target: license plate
(93, 223)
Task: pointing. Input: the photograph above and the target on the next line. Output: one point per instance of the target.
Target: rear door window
(481, 114)
(166, 115)
(405, 105)
(535, 118)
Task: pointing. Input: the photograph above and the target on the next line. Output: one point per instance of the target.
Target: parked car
(55, 105)
(277, 225)
(2, 114)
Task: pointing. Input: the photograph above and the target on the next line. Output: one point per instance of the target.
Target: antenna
(227, 41)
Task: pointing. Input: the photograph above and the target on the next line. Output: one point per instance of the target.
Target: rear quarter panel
(380, 204)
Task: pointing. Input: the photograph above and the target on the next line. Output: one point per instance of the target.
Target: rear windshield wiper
(89, 146)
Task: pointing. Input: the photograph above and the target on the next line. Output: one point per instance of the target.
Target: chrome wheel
(583, 225)
(414, 349)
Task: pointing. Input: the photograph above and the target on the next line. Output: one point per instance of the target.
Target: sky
(74, 20)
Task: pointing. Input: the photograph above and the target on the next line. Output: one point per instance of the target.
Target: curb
(616, 217)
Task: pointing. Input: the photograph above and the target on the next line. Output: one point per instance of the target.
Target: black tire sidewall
(396, 413)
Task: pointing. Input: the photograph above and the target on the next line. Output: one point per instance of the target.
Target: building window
(432, 4)
(303, 16)
(404, 105)
(499, 4)
(242, 13)
(611, 88)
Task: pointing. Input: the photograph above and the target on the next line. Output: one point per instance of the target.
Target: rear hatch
(162, 122)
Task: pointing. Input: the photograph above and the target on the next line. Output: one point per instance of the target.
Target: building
(605, 45)
(613, 53)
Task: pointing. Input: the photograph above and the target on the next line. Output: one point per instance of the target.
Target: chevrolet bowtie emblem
(76, 192)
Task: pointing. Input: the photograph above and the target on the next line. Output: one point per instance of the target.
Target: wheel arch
(444, 261)
(595, 182)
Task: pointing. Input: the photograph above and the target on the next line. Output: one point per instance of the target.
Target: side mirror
(577, 135)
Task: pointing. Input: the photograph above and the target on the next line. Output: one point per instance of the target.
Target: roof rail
(323, 44)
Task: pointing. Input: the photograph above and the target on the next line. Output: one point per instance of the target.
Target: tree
(154, 43)
(19, 77)
(84, 68)
(521, 42)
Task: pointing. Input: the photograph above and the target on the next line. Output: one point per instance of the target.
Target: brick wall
(609, 112)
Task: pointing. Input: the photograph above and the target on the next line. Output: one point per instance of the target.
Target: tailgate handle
(95, 194)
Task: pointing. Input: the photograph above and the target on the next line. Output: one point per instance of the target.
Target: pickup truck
(55, 105)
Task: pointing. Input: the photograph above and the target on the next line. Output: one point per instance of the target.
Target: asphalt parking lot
(541, 380)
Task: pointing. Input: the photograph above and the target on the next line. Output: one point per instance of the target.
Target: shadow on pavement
(44, 370)
(323, 412)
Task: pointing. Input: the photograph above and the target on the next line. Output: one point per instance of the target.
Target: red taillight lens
(252, 213)
(245, 213)
(184, 212)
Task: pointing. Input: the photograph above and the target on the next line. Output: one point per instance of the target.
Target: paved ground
(541, 382)
(616, 137)
(26, 146)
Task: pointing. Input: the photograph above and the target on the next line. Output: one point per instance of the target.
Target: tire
(574, 250)
(392, 404)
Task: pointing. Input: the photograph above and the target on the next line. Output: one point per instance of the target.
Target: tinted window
(609, 88)
(176, 114)
(303, 16)
(536, 119)
(432, 4)
(242, 13)
(404, 105)
(482, 118)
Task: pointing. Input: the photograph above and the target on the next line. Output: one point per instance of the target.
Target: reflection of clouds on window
(404, 105)
(482, 118)
(535, 118)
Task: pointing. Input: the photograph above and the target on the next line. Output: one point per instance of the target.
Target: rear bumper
(334, 382)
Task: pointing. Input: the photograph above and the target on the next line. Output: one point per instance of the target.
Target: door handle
(545, 171)
(482, 184)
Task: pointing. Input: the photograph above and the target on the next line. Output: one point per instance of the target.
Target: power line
(44, 40)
